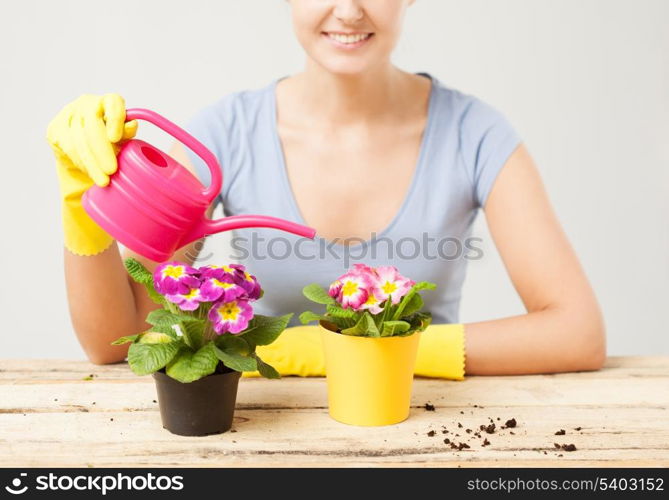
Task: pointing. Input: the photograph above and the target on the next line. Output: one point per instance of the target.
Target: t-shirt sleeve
(487, 141)
(208, 128)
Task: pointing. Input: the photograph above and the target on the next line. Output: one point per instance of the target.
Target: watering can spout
(208, 227)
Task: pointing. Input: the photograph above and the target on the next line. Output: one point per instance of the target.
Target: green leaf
(164, 317)
(387, 310)
(419, 322)
(341, 323)
(194, 333)
(339, 312)
(391, 328)
(425, 319)
(153, 295)
(316, 293)
(264, 369)
(166, 329)
(360, 328)
(372, 329)
(308, 317)
(415, 303)
(234, 344)
(236, 361)
(141, 274)
(188, 366)
(192, 327)
(137, 271)
(364, 327)
(152, 337)
(148, 358)
(343, 318)
(125, 339)
(264, 330)
(422, 285)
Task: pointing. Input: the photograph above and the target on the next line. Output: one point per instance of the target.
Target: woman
(368, 155)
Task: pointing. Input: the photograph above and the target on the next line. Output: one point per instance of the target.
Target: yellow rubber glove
(85, 137)
(298, 351)
(441, 352)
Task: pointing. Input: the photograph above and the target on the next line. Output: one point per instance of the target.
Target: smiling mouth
(348, 40)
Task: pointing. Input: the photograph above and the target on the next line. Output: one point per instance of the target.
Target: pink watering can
(154, 205)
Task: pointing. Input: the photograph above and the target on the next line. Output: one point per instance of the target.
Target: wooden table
(52, 413)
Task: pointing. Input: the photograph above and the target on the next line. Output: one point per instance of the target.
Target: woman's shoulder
(485, 138)
(464, 109)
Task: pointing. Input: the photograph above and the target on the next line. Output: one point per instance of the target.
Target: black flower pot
(198, 408)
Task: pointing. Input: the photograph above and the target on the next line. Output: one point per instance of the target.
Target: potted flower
(204, 334)
(370, 331)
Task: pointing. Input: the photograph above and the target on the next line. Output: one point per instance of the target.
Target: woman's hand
(104, 302)
(85, 137)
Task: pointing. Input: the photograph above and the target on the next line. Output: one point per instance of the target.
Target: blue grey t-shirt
(464, 146)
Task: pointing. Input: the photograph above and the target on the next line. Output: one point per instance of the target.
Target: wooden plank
(50, 416)
(310, 436)
(138, 393)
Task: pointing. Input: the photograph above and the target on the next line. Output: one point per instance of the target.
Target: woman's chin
(346, 68)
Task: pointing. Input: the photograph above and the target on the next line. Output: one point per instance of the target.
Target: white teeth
(348, 38)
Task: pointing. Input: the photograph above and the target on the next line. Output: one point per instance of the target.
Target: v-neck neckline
(418, 168)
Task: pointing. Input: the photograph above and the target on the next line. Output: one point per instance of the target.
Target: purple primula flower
(175, 278)
(247, 281)
(221, 288)
(216, 271)
(188, 301)
(233, 316)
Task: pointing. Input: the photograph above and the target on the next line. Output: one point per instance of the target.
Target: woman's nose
(348, 11)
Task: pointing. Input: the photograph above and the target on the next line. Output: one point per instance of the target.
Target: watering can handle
(184, 137)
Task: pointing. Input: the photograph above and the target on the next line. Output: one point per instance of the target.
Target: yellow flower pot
(369, 379)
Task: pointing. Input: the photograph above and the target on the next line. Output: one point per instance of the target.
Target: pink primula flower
(354, 292)
(335, 288)
(373, 303)
(390, 284)
(363, 269)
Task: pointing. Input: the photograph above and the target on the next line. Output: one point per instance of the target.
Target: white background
(585, 82)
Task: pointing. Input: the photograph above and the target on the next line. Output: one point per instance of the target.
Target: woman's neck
(346, 99)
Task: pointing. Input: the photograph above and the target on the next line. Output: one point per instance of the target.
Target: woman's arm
(563, 329)
(105, 303)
